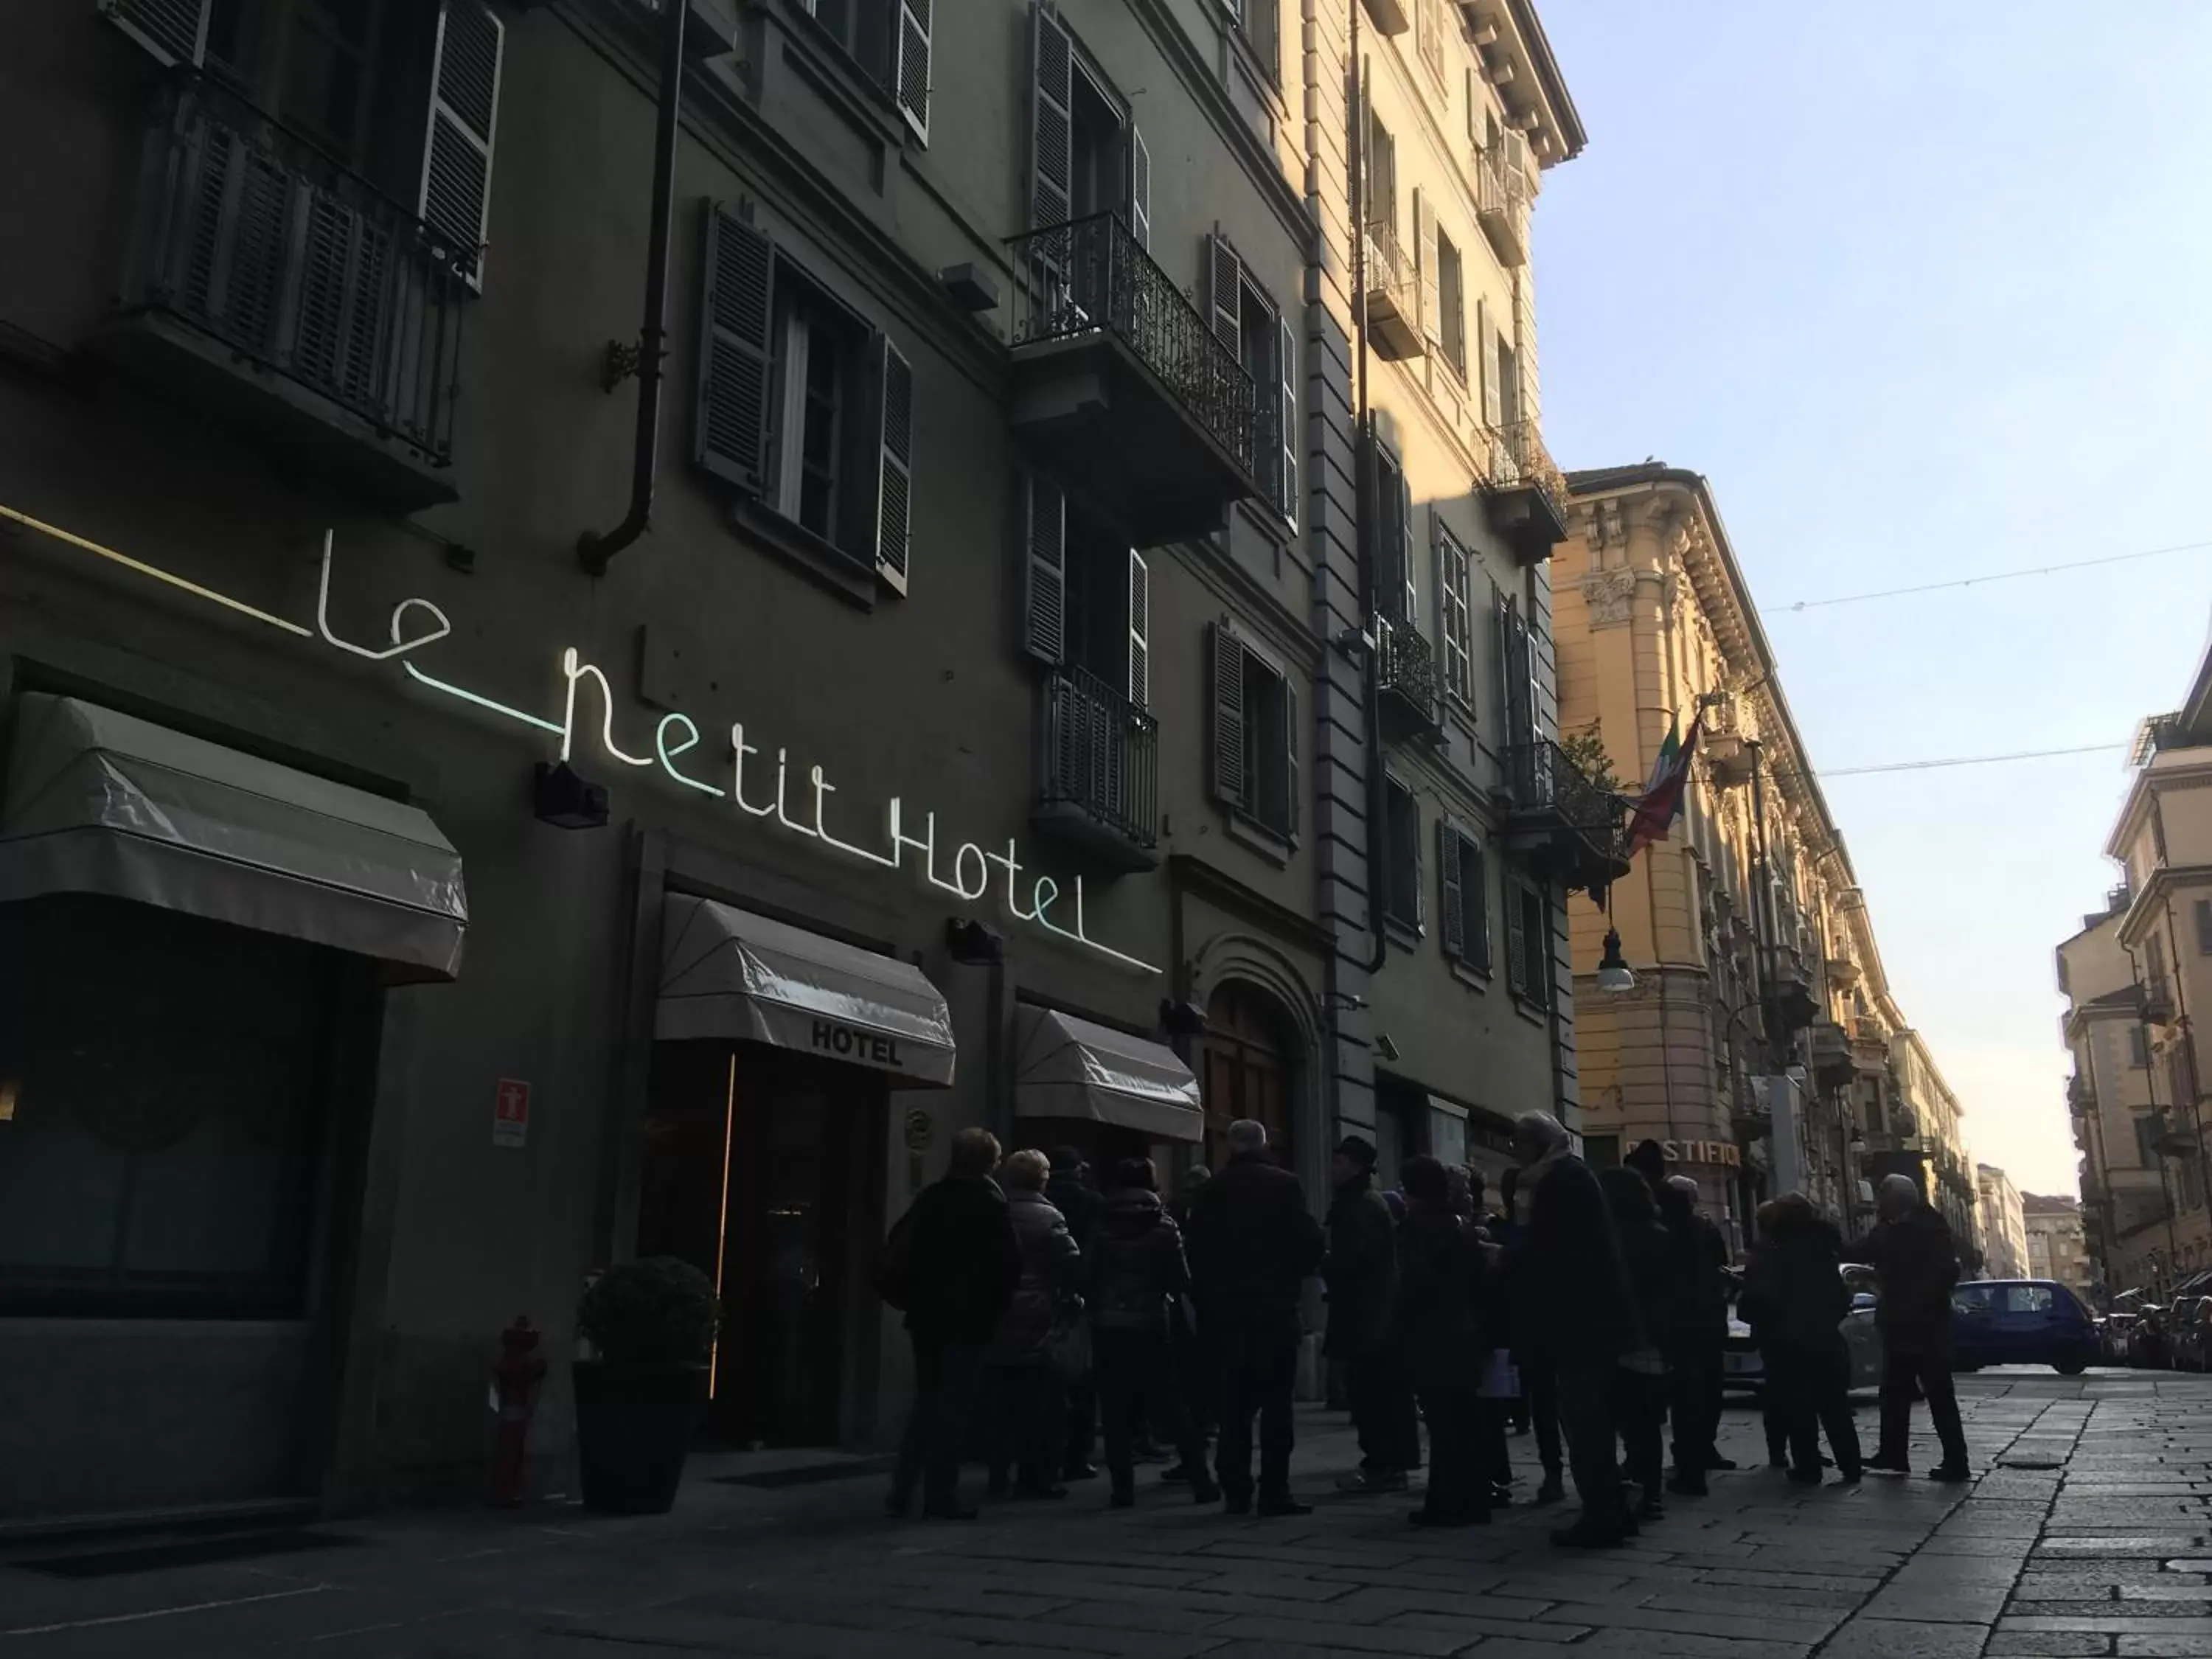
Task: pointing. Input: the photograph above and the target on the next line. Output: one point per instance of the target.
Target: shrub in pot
(651, 1324)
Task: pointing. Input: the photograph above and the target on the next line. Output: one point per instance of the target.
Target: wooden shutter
(1140, 188)
(1225, 287)
(1382, 475)
(1287, 361)
(1229, 760)
(1536, 935)
(455, 199)
(1517, 944)
(736, 308)
(911, 87)
(1051, 120)
(174, 31)
(1044, 540)
(1424, 257)
(894, 471)
(1516, 666)
(1289, 820)
(1411, 598)
(2205, 928)
(1475, 880)
(1140, 630)
(1451, 896)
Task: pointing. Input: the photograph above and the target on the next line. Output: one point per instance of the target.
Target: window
(1517, 657)
(1255, 736)
(1451, 297)
(1432, 15)
(2138, 1048)
(166, 1082)
(1247, 320)
(2203, 912)
(1085, 154)
(1463, 897)
(1256, 22)
(1396, 594)
(1381, 196)
(801, 404)
(890, 41)
(1088, 601)
(1528, 946)
(2147, 1132)
(1456, 617)
(1402, 829)
(1509, 383)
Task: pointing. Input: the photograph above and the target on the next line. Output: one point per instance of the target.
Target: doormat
(811, 1474)
(186, 1553)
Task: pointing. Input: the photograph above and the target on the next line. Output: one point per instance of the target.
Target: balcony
(1405, 671)
(2158, 1007)
(1394, 295)
(1122, 389)
(1098, 772)
(1524, 493)
(1568, 828)
(1794, 998)
(271, 287)
(1833, 1064)
(1388, 16)
(1502, 195)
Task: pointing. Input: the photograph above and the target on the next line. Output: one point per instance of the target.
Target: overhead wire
(1977, 581)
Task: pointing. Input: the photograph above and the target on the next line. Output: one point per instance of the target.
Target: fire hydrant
(514, 1379)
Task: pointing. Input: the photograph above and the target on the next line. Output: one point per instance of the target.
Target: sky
(1922, 291)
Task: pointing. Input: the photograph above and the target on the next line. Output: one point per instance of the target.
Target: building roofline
(1572, 132)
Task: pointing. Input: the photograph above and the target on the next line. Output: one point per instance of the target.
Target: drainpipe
(596, 551)
(1378, 788)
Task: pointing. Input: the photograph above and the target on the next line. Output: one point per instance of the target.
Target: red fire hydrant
(514, 1380)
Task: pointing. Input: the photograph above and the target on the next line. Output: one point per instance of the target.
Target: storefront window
(160, 1089)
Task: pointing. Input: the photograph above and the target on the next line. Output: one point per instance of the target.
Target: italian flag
(1661, 803)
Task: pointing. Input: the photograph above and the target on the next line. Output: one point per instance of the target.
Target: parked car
(2190, 1333)
(1742, 1368)
(2021, 1322)
(2148, 1344)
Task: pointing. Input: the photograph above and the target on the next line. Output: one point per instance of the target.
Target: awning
(101, 802)
(728, 973)
(1066, 1068)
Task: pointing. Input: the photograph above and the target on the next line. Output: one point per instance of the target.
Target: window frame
(1451, 298)
(1463, 870)
(1455, 581)
(1269, 825)
(1402, 863)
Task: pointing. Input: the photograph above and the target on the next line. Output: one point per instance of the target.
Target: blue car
(2022, 1322)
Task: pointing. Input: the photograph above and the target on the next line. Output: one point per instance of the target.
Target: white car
(1742, 1368)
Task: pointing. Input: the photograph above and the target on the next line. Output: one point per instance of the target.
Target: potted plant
(651, 1324)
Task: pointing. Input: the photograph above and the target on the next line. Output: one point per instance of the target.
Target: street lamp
(1613, 973)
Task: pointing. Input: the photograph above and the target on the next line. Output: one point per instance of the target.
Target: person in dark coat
(1135, 1275)
(1916, 1264)
(1640, 1380)
(1253, 1245)
(1441, 1270)
(1699, 1258)
(1794, 1301)
(1572, 1314)
(1028, 1408)
(1361, 1272)
(1072, 1191)
(962, 1264)
(1537, 1406)
(1192, 1343)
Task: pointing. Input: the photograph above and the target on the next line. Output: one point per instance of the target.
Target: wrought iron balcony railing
(1516, 459)
(1090, 276)
(1543, 778)
(1406, 666)
(1101, 756)
(251, 234)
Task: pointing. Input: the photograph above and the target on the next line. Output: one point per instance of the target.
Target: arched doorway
(1248, 1072)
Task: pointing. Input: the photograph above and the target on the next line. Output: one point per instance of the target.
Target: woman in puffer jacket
(1027, 1415)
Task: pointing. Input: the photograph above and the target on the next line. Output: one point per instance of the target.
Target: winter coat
(1699, 1257)
(1794, 1295)
(1082, 1207)
(1571, 1302)
(1913, 1258)
(1135, 1266)
(1654, 1284)
(1361, 1271)
(1442, 1288)
(1253, 1245)
(964, 1260)
(1050, 1262)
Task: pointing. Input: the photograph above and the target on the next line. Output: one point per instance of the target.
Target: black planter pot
(633, 1423)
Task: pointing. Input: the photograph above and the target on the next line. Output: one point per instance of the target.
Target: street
(2087, 1532)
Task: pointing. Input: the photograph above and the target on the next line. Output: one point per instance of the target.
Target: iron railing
(1515, 458)
(1100, 755)
(252, 234)
(1092, 277)
(1406, 666)
(1544, 778)
(1500, 191)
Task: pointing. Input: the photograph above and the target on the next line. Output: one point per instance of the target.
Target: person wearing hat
(1361, 1272)
(1701, 1334)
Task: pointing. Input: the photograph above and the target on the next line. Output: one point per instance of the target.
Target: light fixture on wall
(1613, 973)
(1181, 1018)
(1385, 1050)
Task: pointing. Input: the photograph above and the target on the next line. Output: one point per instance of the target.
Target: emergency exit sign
(510, 1113)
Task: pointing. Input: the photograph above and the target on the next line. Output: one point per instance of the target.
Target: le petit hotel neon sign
(759, 786)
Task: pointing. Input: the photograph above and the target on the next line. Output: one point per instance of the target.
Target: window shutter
(455, 199)
(1425, 256)
(1045, 612)
(894, 474)
(2205, 928)
(1450, 895)
(1517, 944)
(1536, 937)
(1289, 817)
(1516, 665)
(1412, 599)
(1229, 758)
(1485, 350)
(912, 91)
(1140, 630)
(1287, 361)
(1052, 102)
(1475, 876)
(1225, 285)
(174, 31)
(1140, 188)
(730, 438)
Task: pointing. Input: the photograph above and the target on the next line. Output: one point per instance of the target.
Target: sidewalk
(1892, 1569)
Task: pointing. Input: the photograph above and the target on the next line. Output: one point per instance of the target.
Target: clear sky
(1925, 291)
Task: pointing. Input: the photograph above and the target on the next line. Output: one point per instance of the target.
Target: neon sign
(970, 869)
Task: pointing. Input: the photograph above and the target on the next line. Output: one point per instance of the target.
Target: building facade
(2056, 1246)
(1760, 1041)
(539, 834)
(2001, 1224)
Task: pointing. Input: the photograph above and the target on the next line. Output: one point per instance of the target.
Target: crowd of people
(1052, 1314)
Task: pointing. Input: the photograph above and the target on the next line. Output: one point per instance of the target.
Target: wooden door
(1246, 1073)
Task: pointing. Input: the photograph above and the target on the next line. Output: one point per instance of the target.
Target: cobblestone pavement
(2088, 1533)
